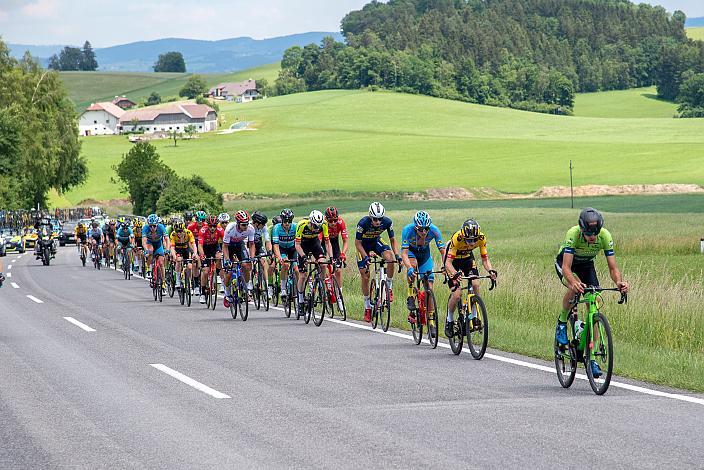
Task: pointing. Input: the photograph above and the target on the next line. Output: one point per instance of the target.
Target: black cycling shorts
(310, 246)
(584, 271)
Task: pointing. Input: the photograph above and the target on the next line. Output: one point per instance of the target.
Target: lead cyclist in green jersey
(575, 266)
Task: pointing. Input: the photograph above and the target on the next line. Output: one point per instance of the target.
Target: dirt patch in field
(605, 190)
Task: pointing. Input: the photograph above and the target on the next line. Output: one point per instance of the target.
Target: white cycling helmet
(316, 218)
(224, 218)
(376, 210)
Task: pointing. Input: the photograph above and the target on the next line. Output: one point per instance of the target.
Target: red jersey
(338, 228)
(195, 228)
(207, 237)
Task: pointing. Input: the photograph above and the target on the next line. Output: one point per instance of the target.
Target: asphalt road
(276, 393)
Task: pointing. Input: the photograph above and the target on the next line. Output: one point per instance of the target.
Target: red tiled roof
(196, 111)
(234, 89)
(122, 98)
(108, 107)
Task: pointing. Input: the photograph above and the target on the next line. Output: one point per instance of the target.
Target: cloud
(41, 9)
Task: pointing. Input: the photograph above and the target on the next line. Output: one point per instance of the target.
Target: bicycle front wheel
(603, 352)
(258, 289)
(242, 300)
(385, 307)
(431, 315)
(214, 289)
(187, 290)
(456, 339)
(478, 329)
(319, 303)
(374, 297)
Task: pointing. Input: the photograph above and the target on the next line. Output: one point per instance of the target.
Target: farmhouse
(123, 102)
(241, 92)
(174, 117)
(100, 119)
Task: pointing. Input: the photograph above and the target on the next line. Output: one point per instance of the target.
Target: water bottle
(578, 329)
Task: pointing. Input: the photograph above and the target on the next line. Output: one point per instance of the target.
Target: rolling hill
(632, 103)
(85, 88)
(362, 141)
(226, 55)
(696, 33)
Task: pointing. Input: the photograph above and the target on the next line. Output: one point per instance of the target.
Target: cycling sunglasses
(423, 229)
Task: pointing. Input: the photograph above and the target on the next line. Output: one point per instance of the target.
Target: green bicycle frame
(591, 299)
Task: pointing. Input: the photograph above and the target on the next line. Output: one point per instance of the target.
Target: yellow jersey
(182, 240)
(458, 248)
(304, 231)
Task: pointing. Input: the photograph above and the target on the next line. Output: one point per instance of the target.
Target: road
(127, 383)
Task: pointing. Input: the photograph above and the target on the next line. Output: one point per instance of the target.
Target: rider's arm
(615, 273)
(360, 248)
(299, 249)
(226, 251)
(328, 247)
(572, 281)
(404, 258)
(250, 247)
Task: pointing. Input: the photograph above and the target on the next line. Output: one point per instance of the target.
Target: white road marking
(189, 381)
(80, 325)
(8, 275)
(9, 267)
(34, 299)
(14, 285)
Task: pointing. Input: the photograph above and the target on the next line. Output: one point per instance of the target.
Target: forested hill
(530, 54)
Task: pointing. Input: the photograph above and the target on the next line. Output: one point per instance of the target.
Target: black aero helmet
(590, 221)
(259, 218)
(287, 215)
(470, 229)
(276, 220)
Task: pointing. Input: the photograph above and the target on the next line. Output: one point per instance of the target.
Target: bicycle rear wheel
(603, 354)
(431, 315)
(374, 297)
(477, 329)
(339, 301)
(565, 358)
(319, 302)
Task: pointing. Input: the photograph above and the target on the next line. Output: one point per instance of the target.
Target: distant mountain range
(225, 55)
(694, 21)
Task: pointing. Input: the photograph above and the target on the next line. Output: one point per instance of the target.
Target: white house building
(174, 117)
(241, 92)
(100, 119)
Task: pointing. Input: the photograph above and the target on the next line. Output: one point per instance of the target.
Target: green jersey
(584, 252)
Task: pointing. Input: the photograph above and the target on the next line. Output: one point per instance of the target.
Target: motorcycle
(45, 248)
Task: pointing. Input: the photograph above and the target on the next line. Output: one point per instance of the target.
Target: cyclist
(154, 241)
(575, 266)
(124, 235)
(368, 240)
(284, 245)
(183, 246)
(262, 246)
(137, 228)
(195, 228)
(95, 235)
(337, 229)
(109, 229)
(459, 260)
(209, 241)
(81, 234)
(238, 245)
(308, 233)
(415, 253)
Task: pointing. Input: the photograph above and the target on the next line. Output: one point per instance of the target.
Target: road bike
(239, 296)
(156, 281)
(587, 340)
(291, 291)
(276, 287)
(83, 251)
(472, 320)
(210, 290)
(336, 301)
(126, 261)
(97, 256)
(260, 290)
(314, 293)
(426, 311)
(170, 275)
(379, 293)
(184, 291)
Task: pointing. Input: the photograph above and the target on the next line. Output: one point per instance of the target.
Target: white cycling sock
(300, 298)
(367, 302)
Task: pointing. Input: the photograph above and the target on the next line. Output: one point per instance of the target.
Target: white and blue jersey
(283, 238)
(95, 233)
(420, 248)
(124, 235)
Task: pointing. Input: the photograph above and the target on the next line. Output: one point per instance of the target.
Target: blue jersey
(96, 232)
(283, 238)
(155, 239)
(412, 242)
(371, 234)
(124, 234)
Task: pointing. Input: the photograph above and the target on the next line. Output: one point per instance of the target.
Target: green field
(696, 33)
(633, 103)
(85, 88)
(343, 140)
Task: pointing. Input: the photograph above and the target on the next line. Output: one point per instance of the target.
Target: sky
(106, 23)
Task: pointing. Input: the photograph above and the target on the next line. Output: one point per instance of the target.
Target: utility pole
(571, 186)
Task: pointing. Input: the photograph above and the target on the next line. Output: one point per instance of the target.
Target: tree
(154, 98)
(88, 61)
(691, 97)
(194, 86)
(142, 175)
(54, 63)
(170, 62)
(70, 58)
(264, 88)
(190, 130)
(185, 193)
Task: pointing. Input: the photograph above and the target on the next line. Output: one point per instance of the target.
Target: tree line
(527, 54)
(74, 58)
(39, 146)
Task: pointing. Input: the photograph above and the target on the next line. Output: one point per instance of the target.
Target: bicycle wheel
(170, 279)
(338, 303)
(603, 354)
(320, 302)
(385, 307)
(158, 285)
(417, 327)
(214, 289)
(566, 359)
(431, 318)
(242, 298)
(234, 303)
(257, 274)
(187, 290)
(373, 297)
(289, 298)
(182, 291)
(209, 289)
(457, 338)
(478, 329)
